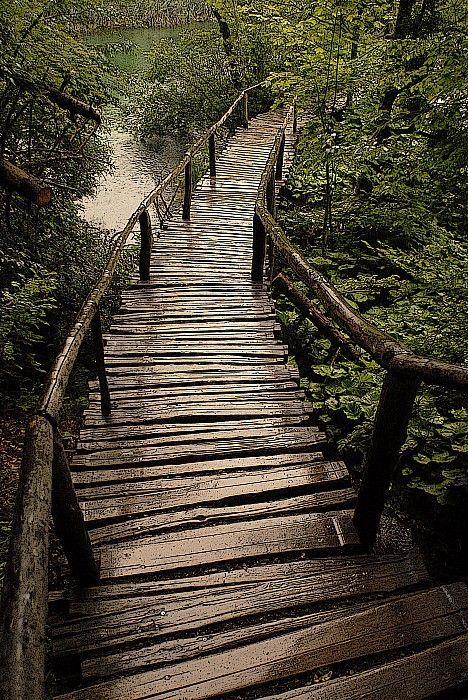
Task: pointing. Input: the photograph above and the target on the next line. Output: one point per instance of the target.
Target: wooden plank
(354, 575)
(181, 649)
(290, 437)
(397, 624)
(150, 496)
(146, 439)
(83, 476)
(220, 543)
(212, 395)
(422, 675)
(203, 515)
(125, 612)
(111, 434)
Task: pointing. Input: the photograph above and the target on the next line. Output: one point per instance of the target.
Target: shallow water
(136, 168)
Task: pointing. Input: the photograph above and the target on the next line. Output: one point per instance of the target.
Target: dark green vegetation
(378, 202)
(49, 257)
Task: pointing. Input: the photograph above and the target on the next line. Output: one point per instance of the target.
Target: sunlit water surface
(136, 168)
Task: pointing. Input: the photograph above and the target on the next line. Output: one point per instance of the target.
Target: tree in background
(50, 87)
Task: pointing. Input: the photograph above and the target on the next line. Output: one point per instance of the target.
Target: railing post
(259, 244)
(271, 194)
(187, 191)
(69, 521)
(212, 147)
(389, 434)
(146, 245)
(245, 110)
(24, 597)
(280, 161)
(98, 342)
(295, 116)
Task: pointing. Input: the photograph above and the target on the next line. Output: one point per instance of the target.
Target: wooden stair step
(424, 674)
(406, 622)
(216, 544)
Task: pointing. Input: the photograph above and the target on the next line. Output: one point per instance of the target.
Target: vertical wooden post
(212, 147)
(69, 521)
(259, 244)
(390, 430)
(146, 245)
(295, 116)
(23, 611)
(245, 110)
(98, 342)
(187, 191)
(280, 161)
(271, 194)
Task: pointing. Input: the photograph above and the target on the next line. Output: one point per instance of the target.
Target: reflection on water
(136, 168)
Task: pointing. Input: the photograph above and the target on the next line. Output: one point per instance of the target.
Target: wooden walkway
(229, 562)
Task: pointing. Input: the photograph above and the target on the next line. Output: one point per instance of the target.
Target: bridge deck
(229, 562)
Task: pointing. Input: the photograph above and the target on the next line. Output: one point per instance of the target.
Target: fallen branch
(16, 179)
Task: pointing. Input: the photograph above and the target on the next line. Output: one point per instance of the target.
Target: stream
(136, 168)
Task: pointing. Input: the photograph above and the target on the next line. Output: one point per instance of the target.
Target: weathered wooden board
(421, 675)
(408, 621)
(149, 496)
(127, 612)
(348, 576)
(204, 515)
(181, 649)
(196, 430)
(221, 543)
(178, 452)
(84, 476)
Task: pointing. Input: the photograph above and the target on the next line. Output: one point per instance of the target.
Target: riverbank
(130, 14)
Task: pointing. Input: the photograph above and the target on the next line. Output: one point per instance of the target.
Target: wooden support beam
(98, 342)
(24, 597)
(146, 246)
(259, 245)
(280, 161)
(389, 434)
(323, 324)
(18, 180)
(245, 110)
(271, 194)
(295, 116)
(69, 521)
(212, 148)
(188, 186)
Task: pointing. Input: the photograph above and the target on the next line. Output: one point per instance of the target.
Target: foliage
(189, 83)
(48, 257)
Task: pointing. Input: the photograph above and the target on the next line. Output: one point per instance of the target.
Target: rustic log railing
(405, 369)
(46, 485)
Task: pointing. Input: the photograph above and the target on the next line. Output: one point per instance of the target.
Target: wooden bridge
(223, 553)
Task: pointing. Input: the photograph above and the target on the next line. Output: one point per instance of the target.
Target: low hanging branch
(73, 105)
(15, 179)
(323, 324)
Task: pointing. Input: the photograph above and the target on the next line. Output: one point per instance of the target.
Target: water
(136, 168)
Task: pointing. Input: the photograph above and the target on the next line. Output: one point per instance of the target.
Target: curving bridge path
(230, 566)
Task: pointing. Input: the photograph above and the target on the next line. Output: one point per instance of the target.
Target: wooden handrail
(405, 369)
(44, 466)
